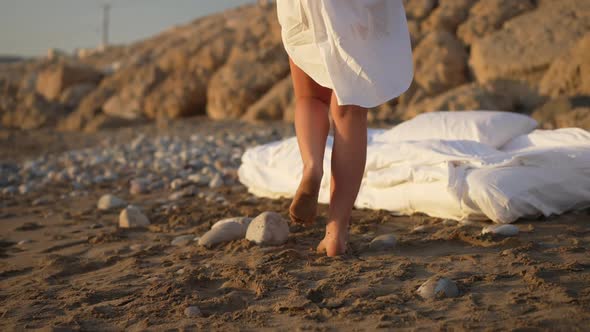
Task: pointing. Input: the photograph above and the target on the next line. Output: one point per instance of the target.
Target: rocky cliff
(528, 56)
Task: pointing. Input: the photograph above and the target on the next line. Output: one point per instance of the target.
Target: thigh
(306, 87)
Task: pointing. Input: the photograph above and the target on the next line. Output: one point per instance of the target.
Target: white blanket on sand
(536, 172)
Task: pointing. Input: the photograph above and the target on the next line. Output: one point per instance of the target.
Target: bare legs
(348, 157)
(349, 153)
(311, 126)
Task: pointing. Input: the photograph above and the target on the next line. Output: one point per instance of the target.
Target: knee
(301, 99)
(349, 112)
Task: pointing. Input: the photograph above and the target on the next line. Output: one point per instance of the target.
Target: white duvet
(536, 172)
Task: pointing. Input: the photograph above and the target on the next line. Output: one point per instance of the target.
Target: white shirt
(359, 48)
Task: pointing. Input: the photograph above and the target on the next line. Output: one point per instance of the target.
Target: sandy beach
(65, 265)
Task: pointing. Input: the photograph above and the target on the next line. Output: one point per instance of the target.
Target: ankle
(313, 176)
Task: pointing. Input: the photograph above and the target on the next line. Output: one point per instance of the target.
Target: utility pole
(106, 8)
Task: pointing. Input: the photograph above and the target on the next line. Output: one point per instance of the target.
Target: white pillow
(549, 138)
(493, 128)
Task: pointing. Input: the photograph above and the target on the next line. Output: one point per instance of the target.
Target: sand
(77, 270)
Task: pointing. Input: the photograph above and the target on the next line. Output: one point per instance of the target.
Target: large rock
(239, 84)
(497, 95)
(31, 111)
(527, 44)
(569, 74)
(268, 228)
(73, 95)
(181, 94)
(273, 104)
(54, 80)
(489, 15)
(440, 62)
(87, 111)
(418, 9)
(448, 15)
(135, 86)
(564, 112)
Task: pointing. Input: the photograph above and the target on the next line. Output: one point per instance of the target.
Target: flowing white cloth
(359, 48)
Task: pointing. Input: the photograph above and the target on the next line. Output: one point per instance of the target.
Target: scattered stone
(108, 201)
(449, 222)
(186, 192)
(216, 181)
(504, 230)
(419, 229)
(383, 242)
(96, 226)
(198, 179)
(24, 189)
(28, 226)
(23, 242)
(182, 240)
(136, 247)
(225, 230)
(192, 312)
(268, 228)
(132, 217)
(437, 287)
(178, 183)
(139, 186)
(40, 201)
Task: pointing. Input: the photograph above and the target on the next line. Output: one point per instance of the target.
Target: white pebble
(192, 312)
(385, 241)
(268, 228)
(435, 287)
(505, 230)
(138, 186)
(419, 229)
(183, 240)
(132, 217)
(225, 230)
(216, 181)
(108, 201)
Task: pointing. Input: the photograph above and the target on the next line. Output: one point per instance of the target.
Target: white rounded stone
(225, 230)
(438, 287)
(132, 217)
(182, 240)
(504, 230)
(192, 312)
(385, 241)
(108, 201)
(268, 228)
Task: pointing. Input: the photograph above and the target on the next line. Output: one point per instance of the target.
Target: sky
(31, 27)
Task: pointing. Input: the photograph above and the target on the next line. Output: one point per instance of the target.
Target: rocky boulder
(273, 104)
(564, 112)
(569, 74)
(527, 44)
(440, 62)
(448, 15)
(55, 79)
(240, 83)
(418, 9)
(497, 95)
(488, 16)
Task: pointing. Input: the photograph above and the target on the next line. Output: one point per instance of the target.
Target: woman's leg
(349, 154)
(312, 125)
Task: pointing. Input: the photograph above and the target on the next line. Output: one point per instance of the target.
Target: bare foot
(303, 208)
(335, 241)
